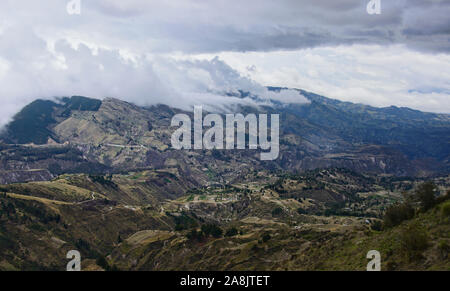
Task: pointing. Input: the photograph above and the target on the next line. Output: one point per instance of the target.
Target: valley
(101, 177)
(270, 223)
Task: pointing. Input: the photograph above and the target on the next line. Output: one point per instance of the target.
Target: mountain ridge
(105, 181)
(110, 135)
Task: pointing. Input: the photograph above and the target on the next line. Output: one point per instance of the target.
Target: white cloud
(369, 74)
(61, 69)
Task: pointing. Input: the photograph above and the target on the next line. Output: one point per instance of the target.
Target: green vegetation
(184, 221)
(425, 195)
(377, 225)
(396, 214)
(206, 231)
(445, 208)
(137, 235)
(231, 232)
(266, 237)
(212, 229)
(414, 240)
(277, 212)
(82, 103)
(32, 123)
(183, 210)
(102, 262)
(103, 181)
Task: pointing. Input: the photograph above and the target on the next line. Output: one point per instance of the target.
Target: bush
(414, 240)
(206, 231)
(445, 209)
(184, 221)
(231, 232)
(444, 248)
(101, 262)
(301, 211)
(376, 225)
(212, 229)
(195, 235)
(425, 195)
(398, 213)
(277, 211)
(266, 237)
(443, 198)
(107, 182)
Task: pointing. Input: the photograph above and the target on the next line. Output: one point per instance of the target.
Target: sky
(190, 52)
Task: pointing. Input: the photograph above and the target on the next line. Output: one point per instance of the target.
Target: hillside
(83, 135)
(101, 177)
(128, 223)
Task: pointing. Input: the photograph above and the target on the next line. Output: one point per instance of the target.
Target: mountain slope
(79, 134)
(280, 223)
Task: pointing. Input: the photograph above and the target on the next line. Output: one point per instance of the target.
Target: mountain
(100, 177)
(84, 135)
(317, 220)
(32, 124)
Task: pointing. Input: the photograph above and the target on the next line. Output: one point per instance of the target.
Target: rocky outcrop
(16, 176)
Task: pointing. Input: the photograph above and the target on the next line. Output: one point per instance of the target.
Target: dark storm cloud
(212, 26)
(193, 26)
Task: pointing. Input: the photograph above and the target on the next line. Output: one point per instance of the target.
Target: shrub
(445, 209)
(414, 240)
(195, 235)
(398, 213)
(103, 181)
(184, 222)
(376, 225)
(101, 261)
(212, 229)
(206, 231)
(444, 248)
(266, 237)
(231, 232)
(443, 198)
(301, 211)
(425, 195)
(277, 211)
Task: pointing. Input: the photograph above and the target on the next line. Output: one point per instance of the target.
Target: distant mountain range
(85, 135)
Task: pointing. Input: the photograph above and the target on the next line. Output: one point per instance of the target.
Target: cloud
(151, 51)
(370, 74)
(192, 26)
(64, 70)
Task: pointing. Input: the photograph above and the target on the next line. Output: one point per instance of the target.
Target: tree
(101, 261)
(266, 237)
(194, 235)
(231, 232)
(414, 240)
(301, 211)
(425, 195)
(398, 213)
(376, 225)
(212, 229)
(277, 211)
